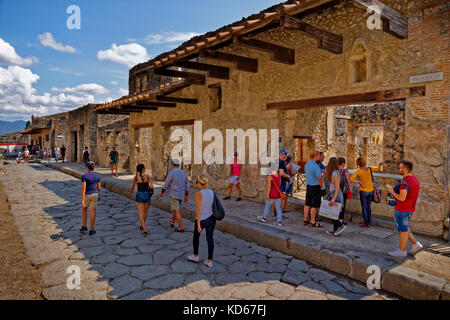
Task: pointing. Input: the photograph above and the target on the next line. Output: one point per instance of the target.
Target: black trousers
(208, 225)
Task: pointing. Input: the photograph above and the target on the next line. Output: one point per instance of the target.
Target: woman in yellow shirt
(365, 188)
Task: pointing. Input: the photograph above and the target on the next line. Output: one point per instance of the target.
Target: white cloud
(122, 92)
(88, 88)
(47, 40)
(127, 54)
(18, 98)
(9, 56)
(165, 37)
(114, 83)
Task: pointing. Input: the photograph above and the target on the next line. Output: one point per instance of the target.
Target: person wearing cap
(289, 183)
(178, 184)
(235, 169)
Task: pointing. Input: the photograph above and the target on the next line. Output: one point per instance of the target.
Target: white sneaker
(415, 248)
(279, 224)
(340, 229)
(208, 264)
(193, 258)
(397, 253)
(261, 219)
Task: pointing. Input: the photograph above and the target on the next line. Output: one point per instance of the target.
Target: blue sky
(46, 68)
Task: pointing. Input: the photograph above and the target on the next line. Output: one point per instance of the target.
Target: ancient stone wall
(112, 131)
(317, 73)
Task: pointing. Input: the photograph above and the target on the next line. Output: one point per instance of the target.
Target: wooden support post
(396, 23)
(242, 63)
(277, 53)
(217, 72)
(193, 78)
(358, 98)
(325, 40)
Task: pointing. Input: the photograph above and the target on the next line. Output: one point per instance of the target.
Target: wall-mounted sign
(437, 76)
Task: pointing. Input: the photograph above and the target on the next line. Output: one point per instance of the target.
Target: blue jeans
(401, 219)
(208, 224)
(366, 199)
(268, 207)
(85, 163)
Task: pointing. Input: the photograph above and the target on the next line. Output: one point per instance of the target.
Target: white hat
(175, 162)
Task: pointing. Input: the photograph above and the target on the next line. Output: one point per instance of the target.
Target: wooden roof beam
(217, 72)
(277, 53)
(140, 107)
(395, 24)
(176, 100)
(350, 99)
(116, 111)
(325, 40)
(242, 63)
(193, 78)
(156, 104)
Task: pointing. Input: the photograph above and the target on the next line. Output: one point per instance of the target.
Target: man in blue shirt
(90, 186)
(177, 182)
(314, 182)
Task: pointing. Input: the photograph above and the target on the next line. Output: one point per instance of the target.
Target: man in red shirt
(404, 210)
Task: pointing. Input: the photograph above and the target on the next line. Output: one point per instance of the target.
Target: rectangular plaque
(437, 76)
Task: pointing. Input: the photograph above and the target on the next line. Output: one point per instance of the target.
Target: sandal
(316, 225)
(179, 230)
(172, 223)
(305, 223)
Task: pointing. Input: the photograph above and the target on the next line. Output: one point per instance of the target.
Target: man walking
(86, 156)
(404, 209)
(314, 182)
(63, 153)
(90, 187)
(178, 184)
(113, 160)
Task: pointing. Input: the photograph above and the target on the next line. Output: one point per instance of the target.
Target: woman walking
(333, 177)
(345, 183)
(144, 186)
(235, 169)
(366, 189)
(204, 200)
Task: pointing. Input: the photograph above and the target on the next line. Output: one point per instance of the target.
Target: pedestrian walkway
(424, 276)
(119, 263)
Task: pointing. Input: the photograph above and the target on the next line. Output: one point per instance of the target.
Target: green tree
(28, 125)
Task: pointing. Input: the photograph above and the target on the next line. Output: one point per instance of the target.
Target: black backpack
(218, 211)
(86, 155)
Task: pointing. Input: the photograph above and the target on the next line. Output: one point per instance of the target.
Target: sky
(49, 65)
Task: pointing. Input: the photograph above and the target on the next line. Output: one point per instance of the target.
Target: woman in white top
(333, 177)
(204, 200)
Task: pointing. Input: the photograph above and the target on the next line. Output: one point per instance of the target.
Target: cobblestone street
(119, 263)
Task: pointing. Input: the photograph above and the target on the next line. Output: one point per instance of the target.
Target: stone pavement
(119, 263)
(424, 276)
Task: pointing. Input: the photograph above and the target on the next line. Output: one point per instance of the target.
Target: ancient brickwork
(112, 131)
(389, 62)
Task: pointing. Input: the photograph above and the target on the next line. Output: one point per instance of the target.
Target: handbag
(376, 192)
(390, 197)
(282, 195)
(218, 210)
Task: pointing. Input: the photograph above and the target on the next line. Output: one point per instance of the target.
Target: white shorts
(235, 179)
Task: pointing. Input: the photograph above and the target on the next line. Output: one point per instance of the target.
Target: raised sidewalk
(424, 276)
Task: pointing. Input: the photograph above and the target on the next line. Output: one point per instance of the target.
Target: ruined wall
(317, 73)
(112, 131)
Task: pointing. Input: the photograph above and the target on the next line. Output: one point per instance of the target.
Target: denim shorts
(401, 220)
(142, 197)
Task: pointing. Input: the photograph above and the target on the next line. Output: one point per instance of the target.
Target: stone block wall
(318, 73)
(112, 131)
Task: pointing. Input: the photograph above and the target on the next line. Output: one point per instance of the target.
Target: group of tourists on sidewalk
(330, 183)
